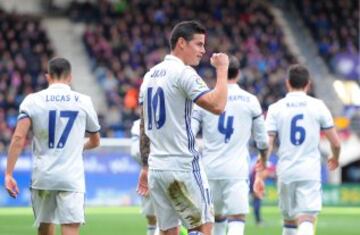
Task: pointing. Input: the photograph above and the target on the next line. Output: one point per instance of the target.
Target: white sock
(236, 227)
(289, 230)
(152, 230)
(306, 228)
(220, 227)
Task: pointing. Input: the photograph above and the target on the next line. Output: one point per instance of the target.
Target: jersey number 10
(156, 108)
(297, 133)
(71, 115)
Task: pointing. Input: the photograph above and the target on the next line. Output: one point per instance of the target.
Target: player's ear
(48, 78)
(181, 42)
(308, 86)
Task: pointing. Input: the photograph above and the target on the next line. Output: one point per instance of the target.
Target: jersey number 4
(227, 129)
(71, 116)
(156, 108)
(297, 132)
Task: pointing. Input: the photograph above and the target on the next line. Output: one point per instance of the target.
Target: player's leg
(286, 192)
(190, 197)
(70, 211)
(46, 229)
(256, 202)
(44, 207)
(217, 189)
(308, 195)
(70, 229)
(236, 199)
(148, 211)
(167, 217)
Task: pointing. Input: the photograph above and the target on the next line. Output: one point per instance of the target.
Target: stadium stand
(24, 53)
(123, 41)
(334, 25)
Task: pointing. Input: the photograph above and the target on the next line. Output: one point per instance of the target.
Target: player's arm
(16, 146)
(142, 188)
(335, 144)
(93, 141)
(215, 100)
(260, 137)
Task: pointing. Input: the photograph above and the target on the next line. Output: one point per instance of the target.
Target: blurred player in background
(296, 121)
(58, 118)
(226, 156)
(146, 203)
(177, 183)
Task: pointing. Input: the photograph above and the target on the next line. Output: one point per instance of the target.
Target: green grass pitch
(128, 221)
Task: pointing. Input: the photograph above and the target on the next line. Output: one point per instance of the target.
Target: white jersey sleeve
(25, 110)
(92, 122)
(135, 141)
(192, 84)
(258, 126)
(326, 120)
(196, 120)
(271, 125)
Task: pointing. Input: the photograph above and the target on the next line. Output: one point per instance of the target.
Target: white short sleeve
(326, 120)
(197, 118)
(25, 108)
(271, 120)
(259, 129)
(192, 84)
(256, 108)
(92, 122)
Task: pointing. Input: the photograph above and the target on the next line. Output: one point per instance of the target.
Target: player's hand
(142, 187)
(333, 164)
(259, 187)
(11, 186)
(219, 60)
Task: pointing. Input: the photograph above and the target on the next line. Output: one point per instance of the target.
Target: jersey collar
(59, 86)
(172, 57)
(292, 93)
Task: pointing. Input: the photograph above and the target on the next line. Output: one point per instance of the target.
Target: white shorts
(147, 207)
(230, 196)
(180, 196)
(57, 207)
(300, 197)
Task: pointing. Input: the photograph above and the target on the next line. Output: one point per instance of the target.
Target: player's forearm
(215, 101)
(336, 151)
(144, 144)
(92, 142)
(263, 156)
(15, 149)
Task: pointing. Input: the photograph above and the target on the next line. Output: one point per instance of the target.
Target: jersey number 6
(297, 133)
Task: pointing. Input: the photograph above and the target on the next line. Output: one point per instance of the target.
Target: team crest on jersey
(201, 82)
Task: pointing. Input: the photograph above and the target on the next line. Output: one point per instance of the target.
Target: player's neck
(179, 56)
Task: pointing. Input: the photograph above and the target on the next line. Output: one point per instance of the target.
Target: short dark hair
(233, 70)
(298, 76)
(186, 30)
(59, 68)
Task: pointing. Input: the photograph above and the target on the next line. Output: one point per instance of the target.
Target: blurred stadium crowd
(124, 39)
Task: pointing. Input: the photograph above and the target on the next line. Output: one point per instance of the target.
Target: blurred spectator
(24, 52)
(334, 25)
(124, 41)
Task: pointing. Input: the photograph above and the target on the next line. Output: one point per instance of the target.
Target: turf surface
(128, 221)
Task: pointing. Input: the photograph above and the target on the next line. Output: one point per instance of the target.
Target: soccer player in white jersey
(296, 121)
(146, 203)
(226, 156)
(177, 184)
(58, 118)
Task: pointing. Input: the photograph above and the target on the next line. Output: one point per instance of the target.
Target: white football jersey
(297, 119)
(59, 119)
(167, 94)
(226, 137)
(135, 141)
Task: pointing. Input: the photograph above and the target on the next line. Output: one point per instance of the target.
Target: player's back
(167, 94)
(298, 119)
(59, 118)
(226, 137)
